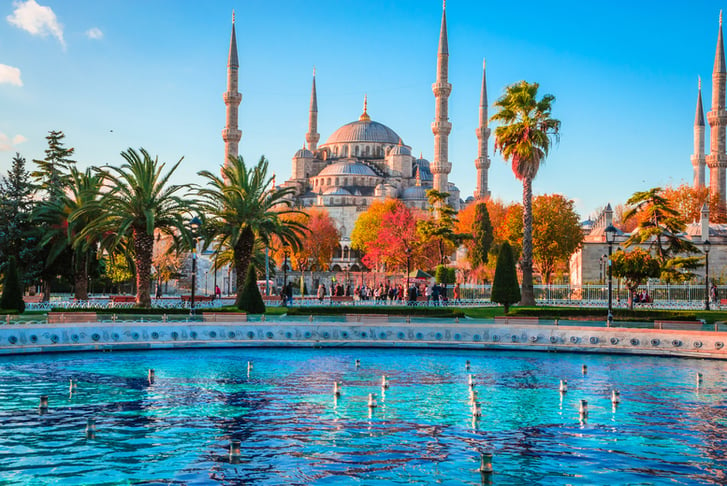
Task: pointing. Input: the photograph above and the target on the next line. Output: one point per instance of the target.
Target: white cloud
(7, 145)
(94, 33)
(10, 75)
(36, 19)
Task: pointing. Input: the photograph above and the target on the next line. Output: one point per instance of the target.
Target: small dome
(414, 193)
(303, 153)
(364, 131)
(424, 173)
(400, 149)
(347, 168)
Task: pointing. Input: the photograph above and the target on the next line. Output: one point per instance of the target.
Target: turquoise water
(177, 430)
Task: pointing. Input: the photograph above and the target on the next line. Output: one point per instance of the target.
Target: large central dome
(364, 131)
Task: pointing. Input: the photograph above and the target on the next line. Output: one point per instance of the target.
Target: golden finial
(365, 116)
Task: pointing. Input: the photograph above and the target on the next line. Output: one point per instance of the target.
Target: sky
(130, 73)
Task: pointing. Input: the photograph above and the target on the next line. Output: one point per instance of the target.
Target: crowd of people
(386, 292)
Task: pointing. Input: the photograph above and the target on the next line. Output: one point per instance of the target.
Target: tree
(635, 267)
(659, 228)
(19, 237)
(688, 201)
(441, 223)
(138, 202)
(524, 138)
(63, 226)
(54, 169)
(250, 299)
(556, 232)
(367, 226)
(320, 243)
(243, 206)
(505, 289)
(12, 296)
(482, 236)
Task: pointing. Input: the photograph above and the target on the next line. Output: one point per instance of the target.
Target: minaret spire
(441, 126)
(482, 163)
(698, 158)
(365, 115)
(313, 136)
(231, 135)
(717, 118)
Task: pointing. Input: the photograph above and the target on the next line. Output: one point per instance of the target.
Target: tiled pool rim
(73, 337)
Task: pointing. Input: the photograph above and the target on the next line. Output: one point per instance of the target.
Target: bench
(367, 317)
(224, 316)
(505, 320)
(198, 298)
(678, 324)
(341, 298)
(122, 298)
(62, 317)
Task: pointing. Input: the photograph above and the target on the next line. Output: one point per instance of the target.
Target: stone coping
(89, 336)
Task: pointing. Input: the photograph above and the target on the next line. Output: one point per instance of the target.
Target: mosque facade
(365, 160)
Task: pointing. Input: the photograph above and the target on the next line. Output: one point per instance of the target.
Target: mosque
(364, 160)
(587, 264)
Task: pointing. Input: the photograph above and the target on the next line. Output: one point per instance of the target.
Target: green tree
(63, 225)
(659, 228)
(243, 206)
(634, 267)
(19, 237)
(505, 288)
(556, 232)
(440, 226)
(524, 138)
(12, 296)
(53, 171)
(250, 299)
(482, 236)
(138, 201)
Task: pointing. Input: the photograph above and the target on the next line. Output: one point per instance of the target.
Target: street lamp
(706, 245)
(610, 238)
(194, 225)
(285, 267)
(408, 262)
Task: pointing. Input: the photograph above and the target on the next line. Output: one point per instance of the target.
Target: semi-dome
(425, 172)
(336, 191)
(400, 149)
(347, 168)
(364, 131)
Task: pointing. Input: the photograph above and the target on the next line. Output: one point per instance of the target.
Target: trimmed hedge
(618, 314)
(392, 311)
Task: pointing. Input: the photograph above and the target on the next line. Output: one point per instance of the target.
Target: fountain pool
(668, 426)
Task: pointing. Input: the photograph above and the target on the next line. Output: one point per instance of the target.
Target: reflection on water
(293, 430)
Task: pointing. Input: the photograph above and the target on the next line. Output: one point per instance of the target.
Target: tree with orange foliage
(316, 249)
(556, 232)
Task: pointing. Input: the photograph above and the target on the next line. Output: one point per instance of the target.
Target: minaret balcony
(232, 98)
(441, 89)
(441, 127)
(231, 135)
(440, 167)
(483, 132)
(482, 163)
(715, 118)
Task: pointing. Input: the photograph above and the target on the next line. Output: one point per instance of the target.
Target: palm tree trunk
(526, 264)
(143, 249)
(242, 256)
(80, 278)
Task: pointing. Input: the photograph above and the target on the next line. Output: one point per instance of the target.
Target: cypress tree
(12, 296)
(482, 236)
(250, 299)
(505, 288)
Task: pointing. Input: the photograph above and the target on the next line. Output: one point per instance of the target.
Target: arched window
(355, 151)
(337, 252)
(337, 183)
(366, 150)
(345, 253)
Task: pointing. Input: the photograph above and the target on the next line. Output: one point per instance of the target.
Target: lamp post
(285, 267)
(706, 246)
(408, 263)
(610, 238)
(194, 225)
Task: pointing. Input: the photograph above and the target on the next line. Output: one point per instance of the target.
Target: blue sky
(126, 73)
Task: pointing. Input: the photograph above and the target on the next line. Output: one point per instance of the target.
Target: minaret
(717, 118)
(698, 158)
(312, 136)
(441, 127)
(482, 163)
(231, 135)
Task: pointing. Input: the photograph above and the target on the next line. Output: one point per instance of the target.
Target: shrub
(12, 296)
(505, 288)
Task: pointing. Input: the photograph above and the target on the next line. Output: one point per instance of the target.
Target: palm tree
(139, 202)
(524, 137)
(243, 206)
(63, 228)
